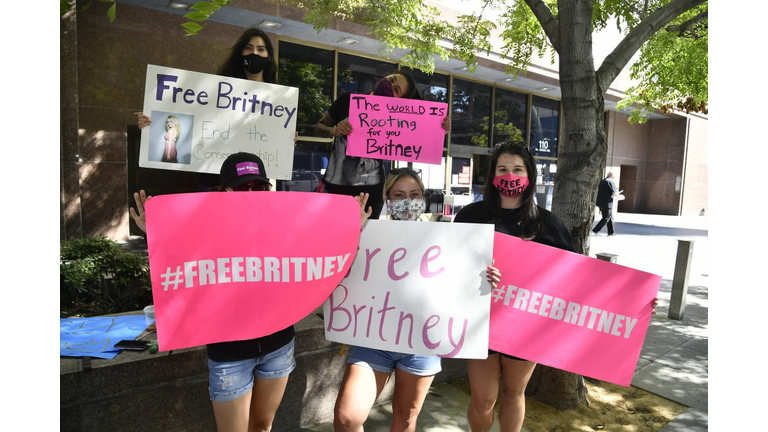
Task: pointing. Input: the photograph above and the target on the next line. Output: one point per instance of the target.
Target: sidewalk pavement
(674, 360)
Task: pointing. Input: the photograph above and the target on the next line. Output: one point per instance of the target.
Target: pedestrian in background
(606, 191)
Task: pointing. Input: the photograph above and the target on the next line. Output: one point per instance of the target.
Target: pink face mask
(510, 185)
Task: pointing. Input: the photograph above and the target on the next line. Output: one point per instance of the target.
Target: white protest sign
(416, 288)
(199, 119)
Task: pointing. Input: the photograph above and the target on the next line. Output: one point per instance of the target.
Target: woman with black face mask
(252, 58)
(349, 175)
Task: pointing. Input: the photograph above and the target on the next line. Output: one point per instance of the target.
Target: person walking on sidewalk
(606, 191)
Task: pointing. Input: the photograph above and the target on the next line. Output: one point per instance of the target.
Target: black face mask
(254, 63)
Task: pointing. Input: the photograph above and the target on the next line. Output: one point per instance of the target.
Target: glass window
(360, 74)
(311, 71)
(431, 87)
(509, 116)
(545, 182)
(310, 160)
(471, 114)
(545, 125)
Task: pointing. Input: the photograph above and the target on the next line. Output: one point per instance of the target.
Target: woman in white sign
(172, 132)
(508, 203)
(369, 370)
(247, 378)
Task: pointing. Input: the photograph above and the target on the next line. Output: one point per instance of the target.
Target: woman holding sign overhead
(252, 58)
(369, 370)
(508, 203)
(349, 175)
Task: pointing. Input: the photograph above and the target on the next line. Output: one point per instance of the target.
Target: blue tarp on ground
(97, 336)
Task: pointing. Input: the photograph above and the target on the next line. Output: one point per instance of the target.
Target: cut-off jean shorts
(228, 381)
(386, 361)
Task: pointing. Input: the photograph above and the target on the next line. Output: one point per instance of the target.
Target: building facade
(661, 165)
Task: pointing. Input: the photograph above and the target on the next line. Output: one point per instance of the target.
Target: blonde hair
(174, 123)
(397, 174)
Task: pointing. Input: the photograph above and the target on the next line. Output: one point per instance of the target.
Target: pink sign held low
(396, 129)
(235, 266)
(569, 311)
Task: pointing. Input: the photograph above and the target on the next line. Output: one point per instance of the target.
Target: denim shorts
(386, 361)
(228, 381)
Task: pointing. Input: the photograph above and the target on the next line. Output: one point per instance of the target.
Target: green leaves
(98, 277)
(672, 70)
(67, 5)
(200, 12)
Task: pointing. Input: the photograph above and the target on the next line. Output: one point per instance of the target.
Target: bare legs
(254, 411)
(359, 390)
(362, 386)
(485, 379)
(410, 391)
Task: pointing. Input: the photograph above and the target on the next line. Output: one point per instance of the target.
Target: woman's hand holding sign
(139, 214)
(362, 199)
(494, 275)
(446, 124)
(142, 120)
(342, 128)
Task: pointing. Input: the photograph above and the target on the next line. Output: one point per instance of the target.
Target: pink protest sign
(396, 129)
(235, 266)
(570, 311)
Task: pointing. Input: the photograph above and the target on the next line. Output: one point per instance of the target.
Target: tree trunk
(580, 160)
(557, 388)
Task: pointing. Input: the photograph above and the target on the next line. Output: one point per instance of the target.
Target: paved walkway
(674, 359)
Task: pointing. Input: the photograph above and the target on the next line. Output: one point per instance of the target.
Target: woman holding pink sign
(369, 370)
(351, 175)
(247, 378)
(508, 203)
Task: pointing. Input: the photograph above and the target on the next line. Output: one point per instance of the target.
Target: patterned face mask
(408, 209)
(384, 88)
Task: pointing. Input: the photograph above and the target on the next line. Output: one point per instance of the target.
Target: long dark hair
(413, 92)
(233, 65)
(530, 224)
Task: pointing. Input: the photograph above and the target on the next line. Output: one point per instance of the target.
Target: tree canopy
(671, 70)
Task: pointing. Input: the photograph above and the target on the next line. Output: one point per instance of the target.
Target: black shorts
(490, 351)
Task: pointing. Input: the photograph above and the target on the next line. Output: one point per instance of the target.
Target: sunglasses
(506, 145)
(253, 185)
(411, 171)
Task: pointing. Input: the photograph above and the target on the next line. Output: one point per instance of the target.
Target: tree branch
(686, 29)
(615, 62)
(547, 20)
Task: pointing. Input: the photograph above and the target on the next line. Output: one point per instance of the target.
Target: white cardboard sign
(416, 288)
(199, 119)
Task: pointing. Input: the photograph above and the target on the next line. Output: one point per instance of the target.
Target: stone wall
(169, 390)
